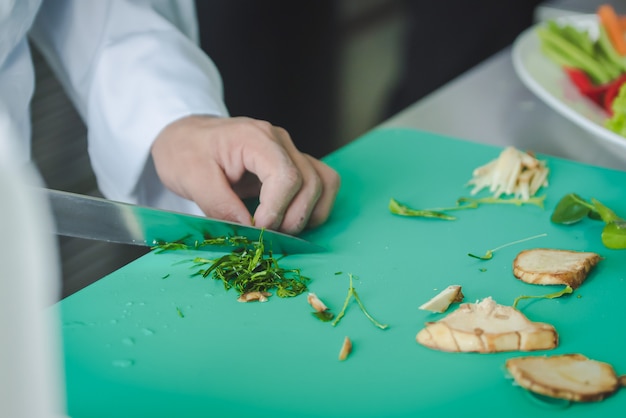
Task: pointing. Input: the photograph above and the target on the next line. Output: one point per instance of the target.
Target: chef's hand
(217, 162)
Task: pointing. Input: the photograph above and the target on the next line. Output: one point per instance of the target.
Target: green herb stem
(353, 293)
(489, 254)
(566, 290)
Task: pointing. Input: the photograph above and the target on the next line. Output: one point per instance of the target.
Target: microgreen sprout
(353, 293)
(462, 203)
(475, 202)
(398, 208)
(572, 209)
(489, 254)
(566, 290)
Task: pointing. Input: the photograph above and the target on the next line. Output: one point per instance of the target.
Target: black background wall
(278, 63)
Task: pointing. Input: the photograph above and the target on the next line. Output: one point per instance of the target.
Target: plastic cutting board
(152, 340)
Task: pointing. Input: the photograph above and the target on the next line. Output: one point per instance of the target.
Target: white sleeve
(130, 71)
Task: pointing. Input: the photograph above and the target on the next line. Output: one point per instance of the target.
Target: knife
(89, 217)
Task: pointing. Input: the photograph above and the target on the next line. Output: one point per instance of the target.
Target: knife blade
(89, 217)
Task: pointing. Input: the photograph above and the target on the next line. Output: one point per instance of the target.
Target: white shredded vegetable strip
(514, 173)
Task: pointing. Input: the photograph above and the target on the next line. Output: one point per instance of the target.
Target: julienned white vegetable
(442, 301)
(515, 173)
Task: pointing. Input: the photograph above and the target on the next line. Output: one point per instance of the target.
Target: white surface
(31, 383)
(550, 83)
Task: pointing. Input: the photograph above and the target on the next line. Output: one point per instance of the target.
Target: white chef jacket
(130, 67)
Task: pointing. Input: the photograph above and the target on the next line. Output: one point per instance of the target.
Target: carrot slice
(622, 23)
(610, 21)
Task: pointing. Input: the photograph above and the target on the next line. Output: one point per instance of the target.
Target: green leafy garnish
(489, 254)
(566, 290)
(168, 246)
(352, 293)
(398, 208)
(248, 269)
(462, 203)
(179, 312)
(324, 316)
(226, 241)
(572, 209)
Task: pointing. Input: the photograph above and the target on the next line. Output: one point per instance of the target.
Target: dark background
(279, 59)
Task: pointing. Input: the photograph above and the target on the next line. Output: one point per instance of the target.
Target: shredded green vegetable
(247, 268)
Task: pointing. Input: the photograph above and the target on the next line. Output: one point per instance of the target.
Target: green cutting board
(152, 340)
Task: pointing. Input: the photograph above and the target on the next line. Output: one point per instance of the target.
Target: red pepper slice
(585, 86)
(603, 94)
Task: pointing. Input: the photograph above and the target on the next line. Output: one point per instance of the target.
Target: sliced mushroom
(572, 377)
(487, 327)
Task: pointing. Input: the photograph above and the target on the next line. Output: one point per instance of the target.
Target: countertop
(154, 339)
(489, 104)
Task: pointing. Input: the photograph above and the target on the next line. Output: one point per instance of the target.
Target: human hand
(217, 162)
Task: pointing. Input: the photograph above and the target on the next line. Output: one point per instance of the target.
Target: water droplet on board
(113, 321)
(147, 331)
(128, 341)
(129, 303)
(74, 324)
(123, 363)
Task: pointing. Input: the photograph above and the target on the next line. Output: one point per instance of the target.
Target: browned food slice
(568, 376)
(487, 327)
(549, 266)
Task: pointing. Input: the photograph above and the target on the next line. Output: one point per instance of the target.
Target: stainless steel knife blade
(100, 219)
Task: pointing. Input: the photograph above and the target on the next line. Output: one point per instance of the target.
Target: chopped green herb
(166, 276)
(489, 254)
(566, 290)
(180, 313)
(352, 293)
(169, 246)
(324, 316)
(398, 208)
(232, 241)
(401, 209)
(248, 269)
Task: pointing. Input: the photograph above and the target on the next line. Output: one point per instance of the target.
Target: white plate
(550, 83)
